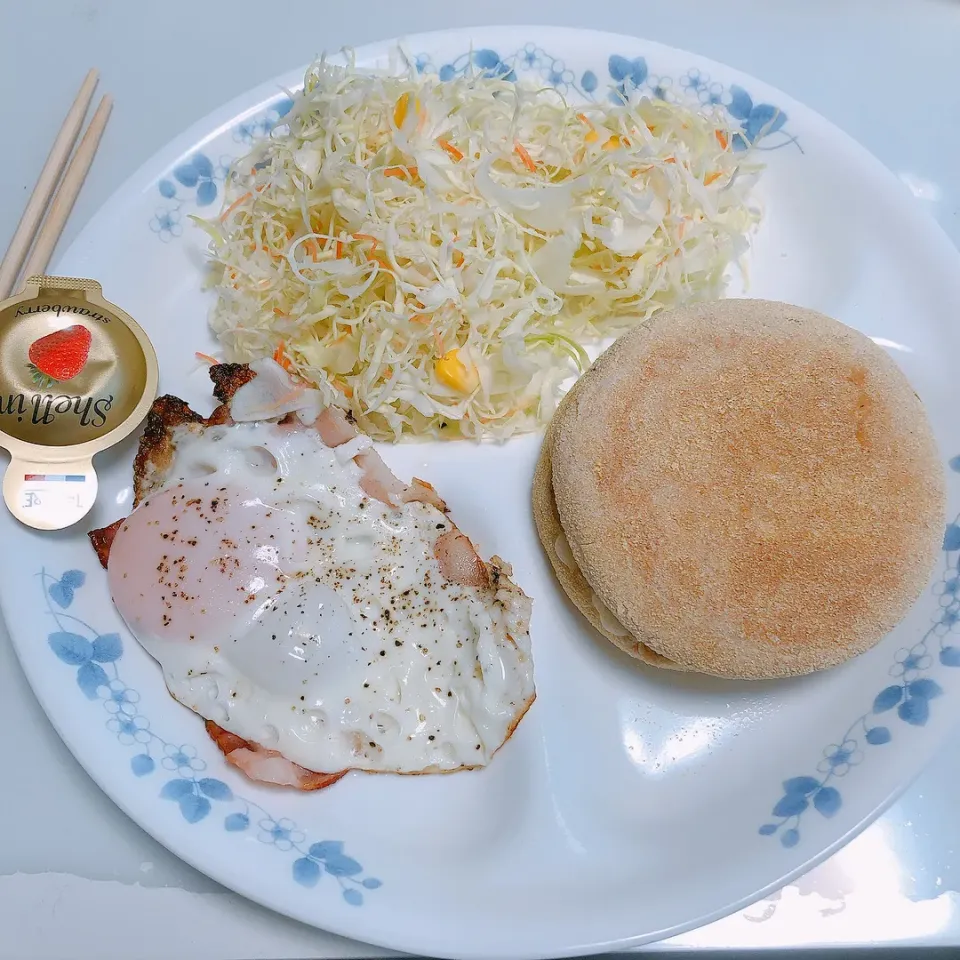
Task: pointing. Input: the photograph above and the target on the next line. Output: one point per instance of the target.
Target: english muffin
(752, 489)
(565, 566)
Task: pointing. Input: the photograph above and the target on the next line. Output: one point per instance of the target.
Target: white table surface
(78, 880)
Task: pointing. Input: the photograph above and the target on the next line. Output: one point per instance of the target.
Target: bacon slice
(335, 427)
(102, 540)
(267, 766)
(228, 378)
(272, 394)
(458, 560)
(378, 480)
(422, 492)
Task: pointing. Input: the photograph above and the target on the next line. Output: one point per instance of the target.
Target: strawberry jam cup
(77, 375)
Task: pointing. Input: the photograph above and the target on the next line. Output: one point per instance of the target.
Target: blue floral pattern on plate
(909, 695)
(627, 76)
(186, 783)
(197, 179)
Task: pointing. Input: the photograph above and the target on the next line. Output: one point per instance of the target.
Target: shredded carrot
(670, 160)
(343, 387)
(367, 236)
(374, 243)
(233, 206)
(206, 358)
(411, 172)
(313, 248)
(591, 136)
(280, 356)
(457, 258)
(521, 152)
(280, 313)
(711, 178)
(450, 148)
(722, 139)
(339, 249)
(639, 170)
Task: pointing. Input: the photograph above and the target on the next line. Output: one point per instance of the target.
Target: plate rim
(256, 99)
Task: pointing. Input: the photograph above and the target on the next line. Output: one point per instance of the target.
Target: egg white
(295, 611)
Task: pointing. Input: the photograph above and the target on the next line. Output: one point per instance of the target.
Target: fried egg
(295, 600)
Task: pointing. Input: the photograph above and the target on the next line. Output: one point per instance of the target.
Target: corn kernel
(403, 107)
(452, 372)
(400, 110)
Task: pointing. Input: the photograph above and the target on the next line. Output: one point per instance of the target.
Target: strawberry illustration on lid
(77, 375)
(59, 356)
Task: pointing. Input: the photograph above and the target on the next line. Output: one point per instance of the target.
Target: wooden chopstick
(46, 184)
(69, 189)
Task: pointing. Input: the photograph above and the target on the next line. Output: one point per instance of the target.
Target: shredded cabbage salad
(434, 255)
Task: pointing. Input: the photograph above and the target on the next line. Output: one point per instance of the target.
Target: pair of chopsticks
(35, 237)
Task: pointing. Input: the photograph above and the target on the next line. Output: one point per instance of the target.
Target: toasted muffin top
(752, 488)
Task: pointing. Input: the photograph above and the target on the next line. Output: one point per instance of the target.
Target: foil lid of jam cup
(77, 375)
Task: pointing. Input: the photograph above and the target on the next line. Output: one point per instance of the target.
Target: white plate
(631, 804)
